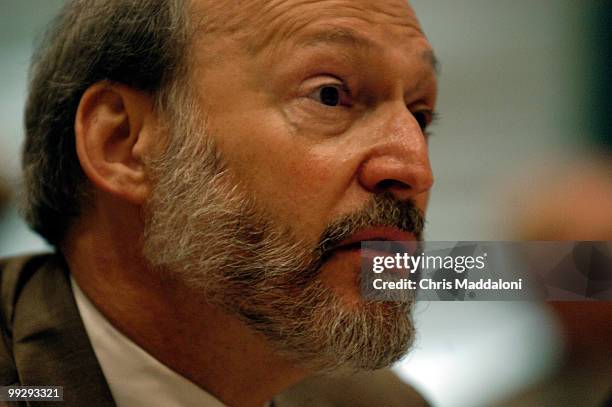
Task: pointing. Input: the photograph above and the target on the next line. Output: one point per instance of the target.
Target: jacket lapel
(50, 345)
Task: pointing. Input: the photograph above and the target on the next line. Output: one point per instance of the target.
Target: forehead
(261, 24)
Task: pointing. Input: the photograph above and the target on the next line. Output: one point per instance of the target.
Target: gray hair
(139, 43)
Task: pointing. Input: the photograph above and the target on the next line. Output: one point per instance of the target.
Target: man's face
(318, 105)
(303, 135)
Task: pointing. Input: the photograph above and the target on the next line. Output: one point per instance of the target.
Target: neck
(196, 339)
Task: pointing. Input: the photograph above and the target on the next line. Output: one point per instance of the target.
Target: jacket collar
(50, 345)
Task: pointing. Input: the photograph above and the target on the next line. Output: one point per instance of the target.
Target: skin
(306, 163)
(328, 160)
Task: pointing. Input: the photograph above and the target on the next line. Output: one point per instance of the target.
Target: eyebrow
(430, 57)
(336, 35)
(348, 37)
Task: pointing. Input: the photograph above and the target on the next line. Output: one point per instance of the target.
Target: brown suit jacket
(44, 343)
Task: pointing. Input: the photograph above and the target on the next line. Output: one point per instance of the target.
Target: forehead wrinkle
(219, 16)
(259, 23)
(335, 35)
(283, 22)
(348, 37)
(210, 17)
(271, 18)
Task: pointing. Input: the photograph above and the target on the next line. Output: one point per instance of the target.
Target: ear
(114, 126)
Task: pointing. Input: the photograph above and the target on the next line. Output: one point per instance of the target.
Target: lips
(375, 234)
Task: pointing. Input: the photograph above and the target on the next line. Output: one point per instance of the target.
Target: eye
(330, 95)
(424, 118)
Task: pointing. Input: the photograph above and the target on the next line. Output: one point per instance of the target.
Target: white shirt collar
(135, 378)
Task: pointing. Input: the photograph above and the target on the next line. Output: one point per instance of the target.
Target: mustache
(382, 210)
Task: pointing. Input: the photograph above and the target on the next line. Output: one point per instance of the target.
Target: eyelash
(428, 121)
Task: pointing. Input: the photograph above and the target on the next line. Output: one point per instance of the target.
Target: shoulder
(381, 387)
(15, 274)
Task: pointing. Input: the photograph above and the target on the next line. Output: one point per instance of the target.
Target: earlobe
(112, 124)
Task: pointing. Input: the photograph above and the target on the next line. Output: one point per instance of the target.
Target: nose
(398, 160)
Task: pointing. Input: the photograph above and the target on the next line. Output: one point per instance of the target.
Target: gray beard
(203, 229)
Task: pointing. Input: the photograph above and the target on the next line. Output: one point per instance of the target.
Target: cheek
(295, 179)
(311, 174)
(302, 187)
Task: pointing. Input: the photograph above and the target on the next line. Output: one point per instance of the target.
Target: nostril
(389, 184)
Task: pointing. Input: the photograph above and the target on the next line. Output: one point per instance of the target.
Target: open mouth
(387, 239)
